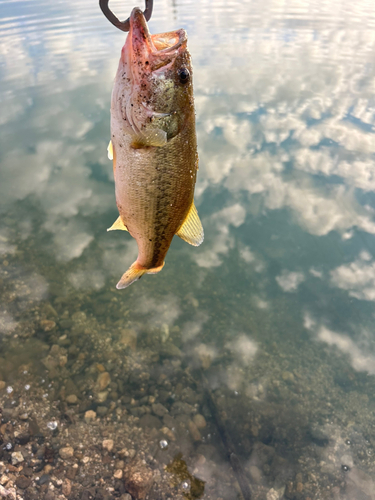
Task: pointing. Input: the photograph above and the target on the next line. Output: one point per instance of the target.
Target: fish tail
(134, 273)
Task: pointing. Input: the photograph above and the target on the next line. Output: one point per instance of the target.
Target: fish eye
(184, 75)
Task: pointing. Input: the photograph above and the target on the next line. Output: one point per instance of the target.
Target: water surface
(277, 305)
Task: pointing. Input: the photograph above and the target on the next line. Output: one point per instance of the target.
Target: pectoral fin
(191, 230)
(118, 224)
(154, 137)
(110, 151)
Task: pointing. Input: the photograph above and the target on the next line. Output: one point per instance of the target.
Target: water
(277, 305)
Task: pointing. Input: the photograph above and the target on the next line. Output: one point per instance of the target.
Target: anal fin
(191, 230)
(118, 224)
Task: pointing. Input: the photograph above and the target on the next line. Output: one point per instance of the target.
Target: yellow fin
(191, 230)
(118, 224)
(155, 137)
(110, 151)
(134, 273)
(155, 270)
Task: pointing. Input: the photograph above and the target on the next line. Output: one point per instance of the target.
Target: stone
(66, 452)
(287, 376)
(71, 472)
(255, 474)
(63, 361)
(169, 350)
(66, 487)
(2, 385)
(128, 338)
(103, 381)
(194, 431)
(101, 397)
(205, 354)
(23, 482)
(138, 480)
(108, 444)
(272, 494)
(17, 457)
(47, 325)
(72, 399)
(101, 411)
(149, 421)
(90, 415)
(118, 474)
(8, 494)
(159, 409)
(44, 479)
(4, 479)
(169, 433)
(199, 421)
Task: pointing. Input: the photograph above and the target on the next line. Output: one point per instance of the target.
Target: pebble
(108, 444)
(2, 385)
(9, 494)
(117, 474)
(23, 482)
(17, 457)
(159, 409)
(169, 433)
(47, 325)
(101, 411)
(194, 431)
(72, 399)
(66, 452)
(128, 338)
(287, 376)
(103, 381)
(66, 487)
(199, 421)
(272, 495)
(90, 415)
(45, 479)
(299, 487)
(101, 397)
(255, 474)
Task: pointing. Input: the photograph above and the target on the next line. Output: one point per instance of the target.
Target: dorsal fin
(191, 230)
(118, 224)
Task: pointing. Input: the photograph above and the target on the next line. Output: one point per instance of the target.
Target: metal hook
(123, 25)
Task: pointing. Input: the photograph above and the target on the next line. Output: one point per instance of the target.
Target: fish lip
(157, 47)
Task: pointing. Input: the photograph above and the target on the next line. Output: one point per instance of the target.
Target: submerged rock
(138, 479)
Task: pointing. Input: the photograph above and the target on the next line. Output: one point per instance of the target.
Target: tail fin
(134, 273)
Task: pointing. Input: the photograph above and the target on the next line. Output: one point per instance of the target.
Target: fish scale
(154, 145)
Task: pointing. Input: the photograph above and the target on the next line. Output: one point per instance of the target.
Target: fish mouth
(154, 51)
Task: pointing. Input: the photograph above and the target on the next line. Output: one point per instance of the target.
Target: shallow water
(277, 305)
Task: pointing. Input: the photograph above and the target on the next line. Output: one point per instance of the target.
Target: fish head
(154, 83)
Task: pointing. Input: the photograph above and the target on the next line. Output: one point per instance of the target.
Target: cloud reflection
(358, 277)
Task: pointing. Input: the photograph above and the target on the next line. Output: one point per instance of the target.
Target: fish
(154, 146)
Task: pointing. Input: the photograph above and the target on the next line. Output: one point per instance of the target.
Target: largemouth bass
(153, 145)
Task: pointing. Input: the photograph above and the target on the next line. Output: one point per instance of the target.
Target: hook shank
(123, 25)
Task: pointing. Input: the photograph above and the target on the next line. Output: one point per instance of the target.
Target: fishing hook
(123, 25)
